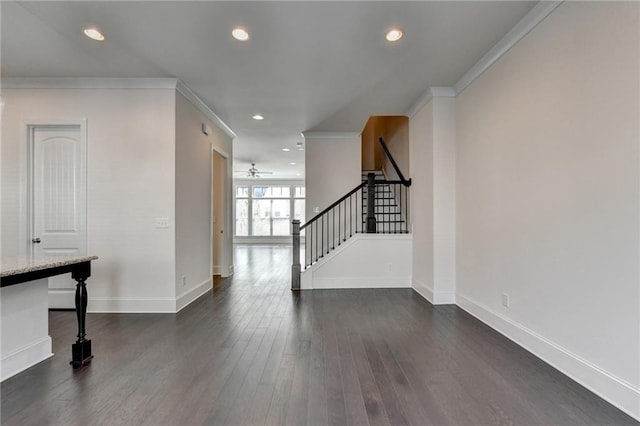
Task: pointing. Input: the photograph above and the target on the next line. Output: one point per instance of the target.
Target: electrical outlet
(505, 300)
(184, 281)
(162, 222)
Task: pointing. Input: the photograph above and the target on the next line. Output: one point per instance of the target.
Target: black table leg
(81, 350)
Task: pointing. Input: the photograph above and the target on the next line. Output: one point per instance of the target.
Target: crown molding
(442, 92)
(119, 83)
(89, 83)
(427, 95)
(528, 22)
(199, 103)
(330, 135)
(535, 16)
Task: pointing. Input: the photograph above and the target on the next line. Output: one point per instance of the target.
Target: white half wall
(548, 196)
(363, 261)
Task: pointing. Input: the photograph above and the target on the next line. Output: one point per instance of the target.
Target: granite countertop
(20, 265)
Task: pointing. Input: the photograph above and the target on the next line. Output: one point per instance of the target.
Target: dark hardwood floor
(253, 352)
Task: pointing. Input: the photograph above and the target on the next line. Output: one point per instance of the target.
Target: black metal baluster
(408, 208)
(399, 189)
(345, 221)
(328, 234)
(406, 211)
(395, 224)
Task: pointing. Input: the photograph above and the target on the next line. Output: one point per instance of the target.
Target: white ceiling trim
(119, 83)
(430, 93)
(330, 135)
(535, 16)
(442, 92)
(89, 83)
(424, 99)
(198, 103)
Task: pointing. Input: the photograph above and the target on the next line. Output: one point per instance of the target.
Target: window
(242, 210)
(242, 191)
(266, 210)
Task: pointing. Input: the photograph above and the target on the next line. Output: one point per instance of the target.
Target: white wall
(333, 167)
(193, 194)
(432, 139)
(421, 164)
(444, 198)
(548, 196)
(131, 175)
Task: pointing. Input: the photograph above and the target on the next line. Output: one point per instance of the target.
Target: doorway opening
(221, 256)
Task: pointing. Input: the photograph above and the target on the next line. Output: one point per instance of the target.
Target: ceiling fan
(253, 172)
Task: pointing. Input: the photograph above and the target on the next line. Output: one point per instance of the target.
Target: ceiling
(308, 66)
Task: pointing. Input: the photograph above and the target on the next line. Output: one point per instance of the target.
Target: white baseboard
(616, 391)
(166, 305)
(190, 296)
(359, 282)
(217, 270)
(444, 298)
(26, 357)
(229, 272)
(434, 297)
(131, 305)
(62, 299)
(423, 290)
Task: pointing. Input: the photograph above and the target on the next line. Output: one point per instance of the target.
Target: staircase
(387, 205)
(375, 206)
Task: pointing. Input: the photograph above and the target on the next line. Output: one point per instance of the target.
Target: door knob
(36, 241)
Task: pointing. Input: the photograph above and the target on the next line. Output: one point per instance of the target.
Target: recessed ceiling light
(240, 34)
(93, 33)
(394, 34)
(301, 149)
(258, 117)
(286, 149)
(292, 163)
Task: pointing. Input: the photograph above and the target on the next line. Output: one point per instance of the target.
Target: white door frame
(225, 269)
(28, 127)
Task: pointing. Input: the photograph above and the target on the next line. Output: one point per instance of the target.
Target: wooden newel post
(295, 267)
(371, 203)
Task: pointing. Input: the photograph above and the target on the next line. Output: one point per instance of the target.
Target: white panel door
(58, 205)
